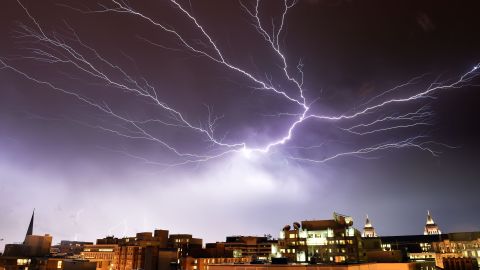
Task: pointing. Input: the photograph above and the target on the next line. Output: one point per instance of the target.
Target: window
(23, 261)
(59, 265)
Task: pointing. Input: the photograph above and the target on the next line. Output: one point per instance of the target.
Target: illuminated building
(458, 245)
(430, 226)
(368, 229)
(103, 255)
(431, 250)
(321, 241)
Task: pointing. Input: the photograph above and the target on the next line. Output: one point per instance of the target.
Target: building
(204, 262)
(431, 250)
(69, 264)
(140, 252)
(321, 241)
(362, 266)
(34, 254)
(69, 248)
(157, 251)
(368, 229)
(457, 245)
(184, 243)
(430, 226)
(31, 254)
(103, 255)
(253, 247)
(459, 264)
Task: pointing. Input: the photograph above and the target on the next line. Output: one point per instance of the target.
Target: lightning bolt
(55, 49)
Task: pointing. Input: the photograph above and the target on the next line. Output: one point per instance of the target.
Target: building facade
(103, 255)
(321, 241)
(253, 247)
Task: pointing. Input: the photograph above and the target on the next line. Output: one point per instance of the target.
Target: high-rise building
(430, 226)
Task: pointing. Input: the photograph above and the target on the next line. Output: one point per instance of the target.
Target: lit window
(23, 261)
(59, 265)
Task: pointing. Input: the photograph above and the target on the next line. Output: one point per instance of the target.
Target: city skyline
(366, 227)
(215, 119)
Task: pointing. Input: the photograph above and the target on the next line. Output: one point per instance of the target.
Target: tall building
(321, 241)
(430, 226)
(368, 229)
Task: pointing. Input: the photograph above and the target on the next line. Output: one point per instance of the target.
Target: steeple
(367, 223)
(30, 226)
(368, 230)
(430, 226)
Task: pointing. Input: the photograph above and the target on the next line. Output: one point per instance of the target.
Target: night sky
(88, 178)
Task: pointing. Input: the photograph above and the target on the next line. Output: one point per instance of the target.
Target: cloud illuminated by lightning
(54, 49)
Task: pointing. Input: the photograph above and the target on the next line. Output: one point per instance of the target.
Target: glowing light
(247, 152)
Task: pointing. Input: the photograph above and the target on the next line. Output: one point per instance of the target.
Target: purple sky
(60, 156)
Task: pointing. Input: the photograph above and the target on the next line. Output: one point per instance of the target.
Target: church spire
(30, 226)
(367, 222)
